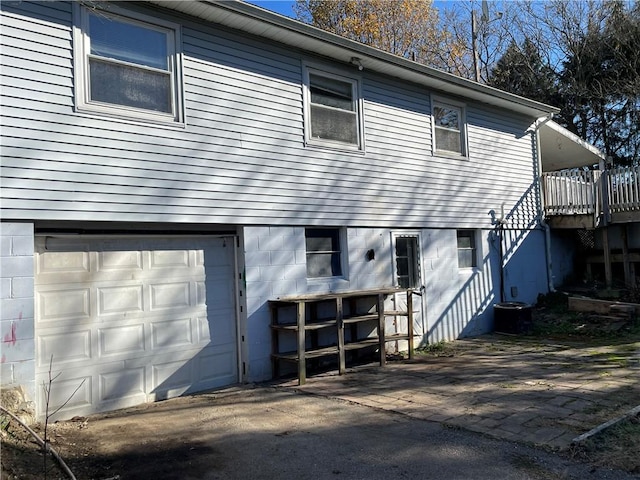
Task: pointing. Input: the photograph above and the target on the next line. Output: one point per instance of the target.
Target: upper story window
(332, 110)
(324, 252)
(467, 249)
(449, 129)
(127, 66)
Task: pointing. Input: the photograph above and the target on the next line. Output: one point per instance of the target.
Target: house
(170, 167)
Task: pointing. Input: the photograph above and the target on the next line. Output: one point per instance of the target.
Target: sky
(285, 7)
(282, 7)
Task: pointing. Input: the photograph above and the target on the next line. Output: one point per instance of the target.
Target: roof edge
(370, 56)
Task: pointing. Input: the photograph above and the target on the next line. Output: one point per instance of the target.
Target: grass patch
(438, 349)
(617, 447)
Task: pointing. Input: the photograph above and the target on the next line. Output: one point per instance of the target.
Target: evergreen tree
(521, 70)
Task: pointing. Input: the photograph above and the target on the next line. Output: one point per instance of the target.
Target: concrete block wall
(17, 345)
(457, 302)
(446, 305)
(275, 265)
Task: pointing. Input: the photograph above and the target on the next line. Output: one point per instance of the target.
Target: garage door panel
(52, 263)
(69, 347)
(122, 384)
(173, 333)
(120, 300)
(169, 259)
(170, 295)
(127, 340)
(124, 262)
(220, 333)
(139, 318)
(216, 368)
(63, 303)
(71, 387)
(172, 378)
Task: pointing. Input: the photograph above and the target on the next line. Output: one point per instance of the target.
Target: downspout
(542, 219)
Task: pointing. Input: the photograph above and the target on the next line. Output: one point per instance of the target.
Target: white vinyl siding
(241, 159)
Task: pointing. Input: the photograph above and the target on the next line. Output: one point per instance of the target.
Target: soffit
(561, 149)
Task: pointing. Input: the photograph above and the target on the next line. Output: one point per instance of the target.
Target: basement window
(467, 249)
(324, 252)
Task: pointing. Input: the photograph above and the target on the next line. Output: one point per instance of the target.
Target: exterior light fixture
(356, 62)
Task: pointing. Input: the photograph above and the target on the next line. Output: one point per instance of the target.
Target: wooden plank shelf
(308, 320)
(396, 313)
(360, 318)
(320, 352)
(308, 326)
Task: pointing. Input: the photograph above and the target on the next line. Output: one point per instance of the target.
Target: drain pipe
(547, 247)
(542, 219)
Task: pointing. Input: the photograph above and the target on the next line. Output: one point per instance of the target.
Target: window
(467, 251)
(332, 107)
(448, 129)
(407, 262)
(324, 258)
(127, 67)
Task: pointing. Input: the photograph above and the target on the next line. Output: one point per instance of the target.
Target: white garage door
(130, 320)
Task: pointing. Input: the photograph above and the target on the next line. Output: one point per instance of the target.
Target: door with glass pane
(407, 271)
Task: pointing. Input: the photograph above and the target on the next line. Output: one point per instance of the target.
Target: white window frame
(342, 239)
(477, 254)
(451, 105)
(357, 103)
(82, 49)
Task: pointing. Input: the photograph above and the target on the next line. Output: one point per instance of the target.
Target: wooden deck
(579, 198)
(595, 199)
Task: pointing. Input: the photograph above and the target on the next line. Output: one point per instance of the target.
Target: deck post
(381, 330)
(302, 364)
(608, 275)
(410, 321)
(629, 273)
(342, 368)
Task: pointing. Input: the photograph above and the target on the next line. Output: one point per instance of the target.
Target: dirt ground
(279, 434)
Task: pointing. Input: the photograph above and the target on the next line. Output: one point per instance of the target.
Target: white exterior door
(130, 320)
(407, 271)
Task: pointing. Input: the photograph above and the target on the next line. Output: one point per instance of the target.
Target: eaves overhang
(560, 149)
(287, 31)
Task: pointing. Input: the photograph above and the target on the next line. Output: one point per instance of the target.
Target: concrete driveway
(433, 418)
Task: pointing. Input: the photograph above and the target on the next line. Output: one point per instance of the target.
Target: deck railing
(623, 184)
(580, 192)
(570, 192)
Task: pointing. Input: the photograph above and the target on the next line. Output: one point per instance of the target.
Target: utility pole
(474, 34)
(474, 45)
